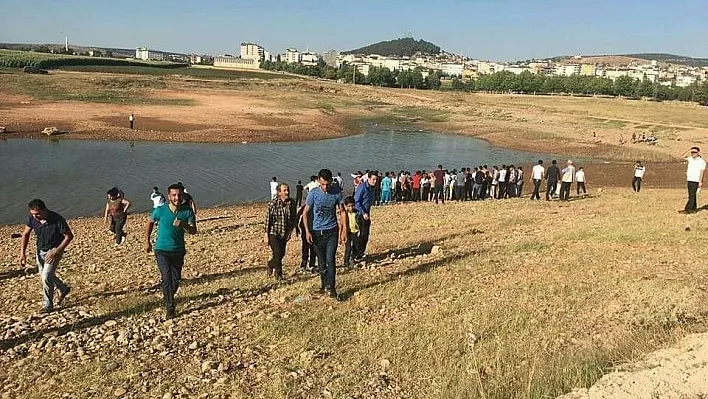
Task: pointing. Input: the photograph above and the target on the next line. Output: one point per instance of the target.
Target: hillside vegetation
(20, 59)
(407, 46)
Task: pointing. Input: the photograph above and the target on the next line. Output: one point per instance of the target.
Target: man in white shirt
(273, 188)
(694, 177)
(157, 198)
(567, 177)
(639, 170)
(580, 181)
(536, 178)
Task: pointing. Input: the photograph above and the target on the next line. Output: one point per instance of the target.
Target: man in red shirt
(416, 185)
(439, 184)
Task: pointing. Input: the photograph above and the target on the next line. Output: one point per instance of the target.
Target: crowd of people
(328, 218)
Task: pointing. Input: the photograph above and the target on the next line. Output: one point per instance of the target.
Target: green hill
(407, 46)
(672, 59)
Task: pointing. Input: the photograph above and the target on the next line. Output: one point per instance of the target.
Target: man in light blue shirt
(325, 208)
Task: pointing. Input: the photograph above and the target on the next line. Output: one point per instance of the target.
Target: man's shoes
(322, 291)
(685, 212)
(62, 296)
(122, 239)
(332, 294)
(46, 310)
(170, 314)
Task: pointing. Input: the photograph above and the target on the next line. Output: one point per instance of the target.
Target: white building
(614, 74)
(568, 70)
(517, 70)
(292, 56)
(309, 58)
(452, 69)
(144, 53)
(252, 51)
(236, 63)
(685, 81)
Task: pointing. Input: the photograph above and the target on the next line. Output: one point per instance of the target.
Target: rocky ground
(497, 299)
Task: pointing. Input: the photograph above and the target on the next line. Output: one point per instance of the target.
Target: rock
(119, 392)
(194, 345)
(167, 395)
(110, 323)
(385, 364)
(111, 366)
(207, 366)
(435, 250)
(223, 367)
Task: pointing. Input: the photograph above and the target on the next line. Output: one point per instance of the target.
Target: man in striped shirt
(280, 223)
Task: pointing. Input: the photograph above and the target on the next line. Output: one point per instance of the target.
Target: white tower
(66, 44)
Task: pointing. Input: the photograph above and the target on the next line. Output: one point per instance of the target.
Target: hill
(406, 46)
(57, 47)
(626, 59)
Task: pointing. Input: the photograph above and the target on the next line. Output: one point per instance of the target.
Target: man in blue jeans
(363, 197)
(325, 207)
(173, 219)
(53, 236)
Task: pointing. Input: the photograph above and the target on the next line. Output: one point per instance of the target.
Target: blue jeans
(47, 273)
(326, 242)
(170, 264)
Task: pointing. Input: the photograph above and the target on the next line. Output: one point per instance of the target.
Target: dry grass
(527, 300)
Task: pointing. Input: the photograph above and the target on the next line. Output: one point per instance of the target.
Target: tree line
(500, 82)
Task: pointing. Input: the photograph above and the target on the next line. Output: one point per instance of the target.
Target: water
(72, 176)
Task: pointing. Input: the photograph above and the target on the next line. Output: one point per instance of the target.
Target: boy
(353, 223)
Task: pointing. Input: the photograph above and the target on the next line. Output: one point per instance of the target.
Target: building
(195, 59)
(236, 63)
(292, 56)
(144, 53)
(252, 51)
(587, 70)
(452, 69)
(568, 70)
(309, 58)
(330, 58)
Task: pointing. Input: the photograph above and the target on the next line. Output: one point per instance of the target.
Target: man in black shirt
(298, 193)
(552, 176)
(53, 236)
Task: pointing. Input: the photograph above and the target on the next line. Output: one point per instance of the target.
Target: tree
(702, 93)
(645, 88)
(625, 86)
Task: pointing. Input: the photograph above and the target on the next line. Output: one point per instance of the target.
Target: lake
(72, 176)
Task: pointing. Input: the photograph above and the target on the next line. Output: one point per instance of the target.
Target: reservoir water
(72, 176)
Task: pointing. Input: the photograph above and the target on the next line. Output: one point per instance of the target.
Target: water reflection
(73, 176)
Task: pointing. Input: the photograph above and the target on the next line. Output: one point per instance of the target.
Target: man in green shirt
(173, 219)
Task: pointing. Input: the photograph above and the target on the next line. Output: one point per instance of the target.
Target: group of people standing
(327, 219)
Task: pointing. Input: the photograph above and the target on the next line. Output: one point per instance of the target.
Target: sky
(501, 30)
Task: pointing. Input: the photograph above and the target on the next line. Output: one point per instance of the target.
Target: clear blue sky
(502, 30)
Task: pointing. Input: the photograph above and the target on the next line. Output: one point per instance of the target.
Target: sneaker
(63, 295)
(122, 239)
(333, 294)
(46, 310)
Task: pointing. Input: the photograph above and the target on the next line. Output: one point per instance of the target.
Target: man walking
(280, 223)
(568, 175)
(172, 219)
(325, 206)
(536, 176)
(53, 236)
(552, 177)
(157, 198)
(580, 181)
(439, 176)
(639, 170)
(131, 120)
(298, 193)
(363, 197)
(117, 209)
(273, 188)
(694, 178)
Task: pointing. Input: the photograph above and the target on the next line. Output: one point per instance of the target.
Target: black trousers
(581, 185)
(565, 190)
(117, 227)
(364, 231)
(416, 194)
(351, 250)
(277, 245)
(550, 189)
(501, 194)
(637, 184)
(309, 255)
(440, 194)
(170, 264)
(426, 193)
(691, 205)
(536, 189)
